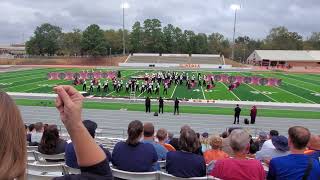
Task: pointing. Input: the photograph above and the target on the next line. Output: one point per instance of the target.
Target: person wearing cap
(281, 149)
(70, 154)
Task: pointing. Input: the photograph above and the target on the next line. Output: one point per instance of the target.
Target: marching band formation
(151, 83)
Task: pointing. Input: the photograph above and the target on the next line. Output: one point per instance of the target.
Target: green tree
(313, 42)
(153, 36)
(93, 41)
(280, 38)
(136, 38)
(71, 43)
(218, 44)
(46, 40)
(114, 38)
(181, 41)
(169, 41)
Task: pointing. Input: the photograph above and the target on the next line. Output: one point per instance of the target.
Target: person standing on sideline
(253, 114)
(148, 105)
(176, 106)
(84, 86)
(161, 105)
(237, 111)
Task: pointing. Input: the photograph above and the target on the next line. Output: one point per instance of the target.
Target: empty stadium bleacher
(176, 59)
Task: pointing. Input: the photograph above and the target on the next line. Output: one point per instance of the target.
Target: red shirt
(238, 169)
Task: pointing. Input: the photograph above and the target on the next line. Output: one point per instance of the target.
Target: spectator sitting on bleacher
(28, 135)
(204, 140)
(281, 149)
(170, 137)
(263, 137)
(297, 165)
(133, 155)
(37, 134)
(13, 149)
(185, 163)
(162, 137)
(226, 142)
(70, 154)
(239, 167)
(314, 147)
(215, 153)
(51, 143)
(268, 143)
(148, 137)
(175, 141)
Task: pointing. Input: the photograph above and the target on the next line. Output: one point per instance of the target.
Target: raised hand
(69, 103)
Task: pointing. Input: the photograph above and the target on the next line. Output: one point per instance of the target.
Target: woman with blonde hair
(215, 153)
(13, 148)
(93, 165)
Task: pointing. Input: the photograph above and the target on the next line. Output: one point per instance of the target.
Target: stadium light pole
(124, 6)
(234, 7)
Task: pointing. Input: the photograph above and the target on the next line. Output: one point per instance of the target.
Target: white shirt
(267, 145)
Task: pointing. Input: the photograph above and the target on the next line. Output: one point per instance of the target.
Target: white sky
(19, 18)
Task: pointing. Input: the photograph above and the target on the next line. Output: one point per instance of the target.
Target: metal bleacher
(176, 59)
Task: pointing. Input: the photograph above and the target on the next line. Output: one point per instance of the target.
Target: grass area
(183, 109)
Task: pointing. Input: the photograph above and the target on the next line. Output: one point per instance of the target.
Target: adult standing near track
(148, 105)
(161, 103)
(237, 111)
(253, 114)
(176, 106)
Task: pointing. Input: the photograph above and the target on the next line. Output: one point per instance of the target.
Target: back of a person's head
(12, 139)
(189, 141)
(49, 140)
(31, 127)
(91, 126)
(224, 134)
(148, 130)
(38, 126)
(239, 140)
(135, 129)
(274, 133)
(184, 127)
(232, 128)
(299, 137)
(170, 135)
(162, 134)
(215, 142)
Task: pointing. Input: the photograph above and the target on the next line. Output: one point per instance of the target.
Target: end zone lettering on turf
(190, 65)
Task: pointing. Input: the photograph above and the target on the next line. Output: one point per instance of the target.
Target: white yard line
(261, 93)
(231, 91)
(300, 87)
(203, 94)
(174, 90)
(295, 95)
(301, 81)
(109, 93)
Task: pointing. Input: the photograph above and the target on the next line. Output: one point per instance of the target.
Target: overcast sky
(19, 18)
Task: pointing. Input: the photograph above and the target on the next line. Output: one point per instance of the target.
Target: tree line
(151, 37)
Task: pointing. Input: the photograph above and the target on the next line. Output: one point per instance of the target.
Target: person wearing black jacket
(148, 105)
(176, 106)
(161, 102)
(237, 111)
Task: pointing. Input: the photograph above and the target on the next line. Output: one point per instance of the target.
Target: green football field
(295, 88)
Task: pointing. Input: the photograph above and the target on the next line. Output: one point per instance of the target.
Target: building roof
(288, 55)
